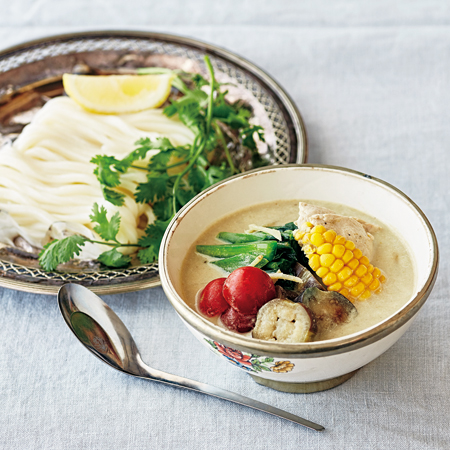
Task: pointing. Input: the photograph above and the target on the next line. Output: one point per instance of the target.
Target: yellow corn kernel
(365, 295)
(367, 279)
(342, 267)
(364, 260)
(317, 239)
(298, 234)
(327, 259)
(350, 245)
(344, 273)
(350, 282)
(347, 256)
(336, 287)
(325, 248)
(329, 236)
(314, 262)
(337, 265)
(339, 240)
(374, 285)
(357, 290)
(361, 271)
(376, 272)
(308, 224)
(322, 271)
(329, 279)
(338, 250)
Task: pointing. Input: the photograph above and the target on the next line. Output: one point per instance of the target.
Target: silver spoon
(101, 331)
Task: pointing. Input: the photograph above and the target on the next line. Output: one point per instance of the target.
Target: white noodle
(46, 175)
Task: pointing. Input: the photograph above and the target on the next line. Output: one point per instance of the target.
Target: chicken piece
(307, 210)
(353, 229)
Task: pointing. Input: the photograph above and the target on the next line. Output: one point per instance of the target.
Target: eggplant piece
(329, 308)
(284, 321)
(309, 280)
(285, 293)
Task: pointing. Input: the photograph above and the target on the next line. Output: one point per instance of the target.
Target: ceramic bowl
(314, 366)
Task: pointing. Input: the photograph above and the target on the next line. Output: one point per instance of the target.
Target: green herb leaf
(145, 145)
(184, 195)
(248, 136)
(197, 178)
(155, 188)
(163, 209)
(105, 170)
(107, 229)
(152, 238)
(112, 196)
(148, 255)
(60, 251)
(215, 174)
(113, 258)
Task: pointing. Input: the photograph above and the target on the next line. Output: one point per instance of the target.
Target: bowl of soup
(377, 269)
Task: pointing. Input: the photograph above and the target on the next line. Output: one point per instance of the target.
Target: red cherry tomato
(212, 302)
(235, 321)
(248, 288)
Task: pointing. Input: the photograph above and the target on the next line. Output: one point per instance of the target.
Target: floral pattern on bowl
(250, 362)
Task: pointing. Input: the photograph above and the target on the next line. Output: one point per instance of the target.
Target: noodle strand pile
(46, 175)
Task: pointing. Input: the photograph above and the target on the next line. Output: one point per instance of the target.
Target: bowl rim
(300, 350)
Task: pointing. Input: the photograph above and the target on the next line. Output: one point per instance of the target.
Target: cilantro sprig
(175, 174)
(63, 250)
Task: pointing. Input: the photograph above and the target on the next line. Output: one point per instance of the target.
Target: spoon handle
(203, 388)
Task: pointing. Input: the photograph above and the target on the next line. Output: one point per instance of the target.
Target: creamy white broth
(391, 255)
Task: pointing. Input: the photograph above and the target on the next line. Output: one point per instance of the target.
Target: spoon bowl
(102, 332)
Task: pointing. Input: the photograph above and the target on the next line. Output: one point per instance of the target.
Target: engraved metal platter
(30, 74)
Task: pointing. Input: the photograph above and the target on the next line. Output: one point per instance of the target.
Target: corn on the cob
(340, 265)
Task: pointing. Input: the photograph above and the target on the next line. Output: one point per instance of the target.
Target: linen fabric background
(371, 80)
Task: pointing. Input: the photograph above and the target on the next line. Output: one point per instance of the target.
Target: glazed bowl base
(304, 388)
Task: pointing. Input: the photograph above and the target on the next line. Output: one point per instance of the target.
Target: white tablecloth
(371, 80)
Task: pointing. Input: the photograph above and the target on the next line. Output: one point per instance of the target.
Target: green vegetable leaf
(152, 238)
(106, 172)
(198, 80)
(113, 258)
(114, 197)
(248, 136)
(148, 255)
(215, 174)
(107, 229)
(155, 188)
(145, 145)
(60, 251)
(197, 178)
(184, 195)
(163, 209)
(160, 161)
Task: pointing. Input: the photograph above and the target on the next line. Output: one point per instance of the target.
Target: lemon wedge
(118, 94)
